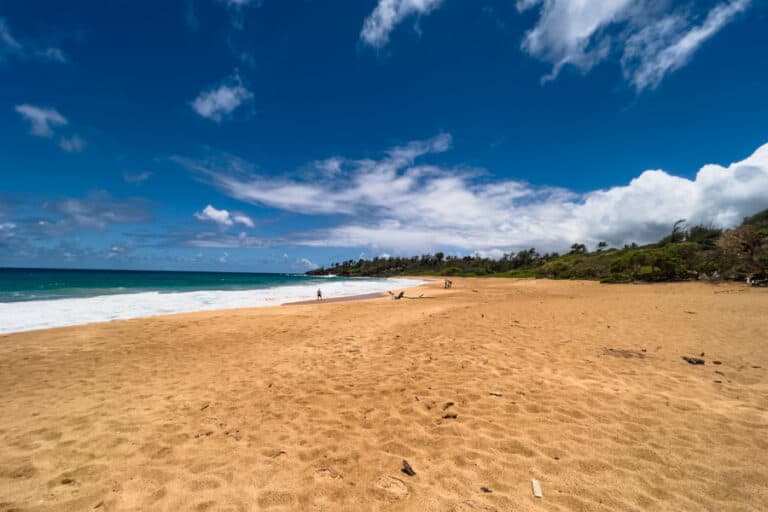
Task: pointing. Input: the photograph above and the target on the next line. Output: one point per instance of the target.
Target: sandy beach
(481, 389)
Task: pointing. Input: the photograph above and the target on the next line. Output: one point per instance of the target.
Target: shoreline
(424, 281)
(130, 299)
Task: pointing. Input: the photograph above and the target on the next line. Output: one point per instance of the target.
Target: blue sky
(277, 135)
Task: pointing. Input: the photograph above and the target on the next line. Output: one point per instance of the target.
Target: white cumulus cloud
(217, 103)
(223, 217)
(388, 14)
(398, 204)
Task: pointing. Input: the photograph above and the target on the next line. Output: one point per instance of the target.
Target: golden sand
(314, 407)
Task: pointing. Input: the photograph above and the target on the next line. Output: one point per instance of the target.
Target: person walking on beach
(319, 294)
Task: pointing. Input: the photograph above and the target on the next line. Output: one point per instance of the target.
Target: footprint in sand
(327, 472)
(391, 488)
(273, 453)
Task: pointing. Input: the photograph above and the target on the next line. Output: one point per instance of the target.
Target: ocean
(43, 298)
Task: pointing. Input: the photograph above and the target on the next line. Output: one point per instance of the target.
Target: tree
(678, 232)
(602, 245)
(578, 249)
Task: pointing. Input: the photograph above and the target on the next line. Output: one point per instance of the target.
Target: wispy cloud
(649, 38)
(136, 178)
(242, 3)
(388, 14)
(653, 38)
(223, 217)
(190, 15)
(368, 182)
(40, 119)
(11, 46)
(8, 43)
(218, 103)
(307, 264)
(668, 44)
(237, 8)
(52, 54)
(400, 205)
(73, 144)
(44, 121)
(97, 210)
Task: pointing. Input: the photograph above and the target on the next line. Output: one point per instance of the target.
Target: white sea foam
(44, 314)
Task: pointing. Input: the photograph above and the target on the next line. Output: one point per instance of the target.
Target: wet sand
(351, 298)
(315, 406)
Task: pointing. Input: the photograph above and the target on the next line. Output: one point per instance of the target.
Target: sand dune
(314, 407)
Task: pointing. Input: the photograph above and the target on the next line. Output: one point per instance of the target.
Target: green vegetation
(696, 252)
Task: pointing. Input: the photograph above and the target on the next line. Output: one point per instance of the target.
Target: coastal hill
(688, 253)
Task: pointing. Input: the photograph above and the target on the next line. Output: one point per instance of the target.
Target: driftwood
(402, 295)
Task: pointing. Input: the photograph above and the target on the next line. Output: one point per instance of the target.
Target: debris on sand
(486, 490)
(407, 469)
(536, 488)
(717, 362)
(450, 416)
(446, 405)
(693, 360)
(622, 352)
(495, 393)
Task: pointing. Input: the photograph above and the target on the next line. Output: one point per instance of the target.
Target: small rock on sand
(693, 360)
(407, 469)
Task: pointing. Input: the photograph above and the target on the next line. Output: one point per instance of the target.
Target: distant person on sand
(319, 294)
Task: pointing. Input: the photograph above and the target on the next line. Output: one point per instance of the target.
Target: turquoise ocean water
(45, 284)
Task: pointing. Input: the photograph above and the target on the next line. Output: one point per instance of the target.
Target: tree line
(686, 253)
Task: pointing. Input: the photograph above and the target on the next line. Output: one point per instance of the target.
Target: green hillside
(688, 252)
